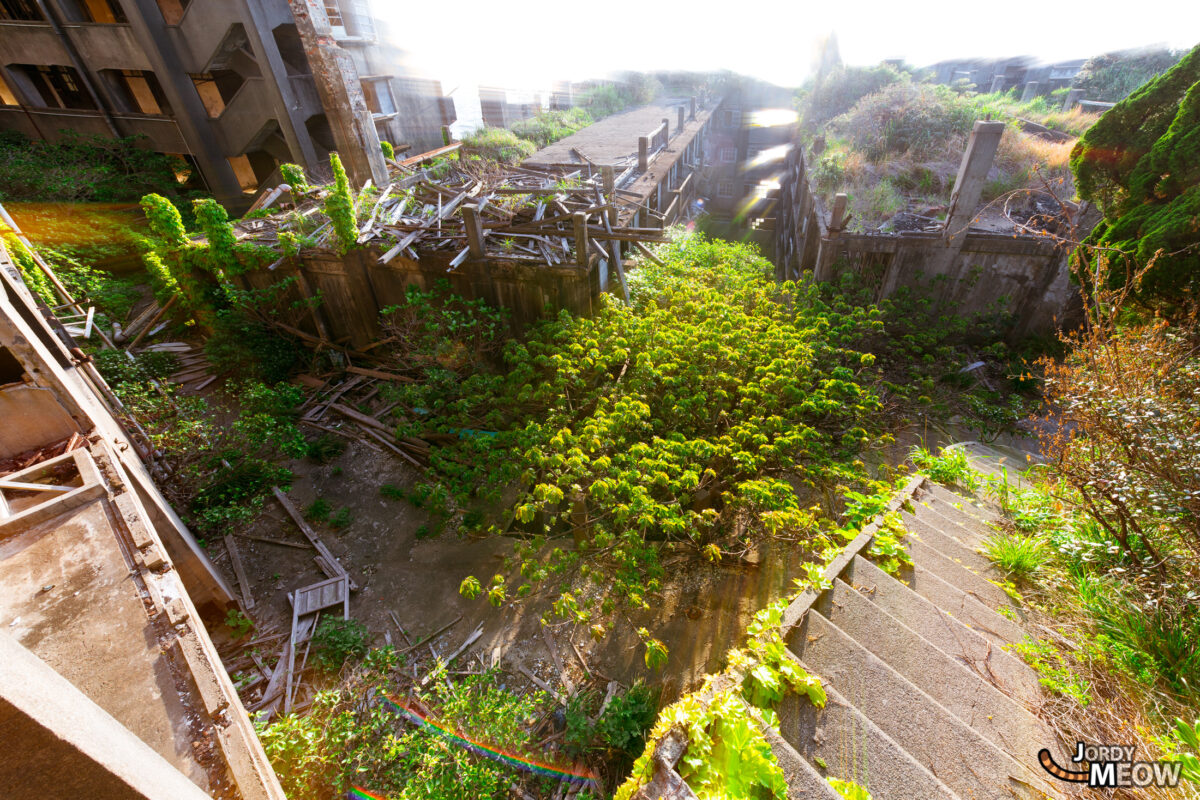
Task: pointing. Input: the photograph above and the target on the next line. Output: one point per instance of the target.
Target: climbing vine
(31, 273)
(339, 206)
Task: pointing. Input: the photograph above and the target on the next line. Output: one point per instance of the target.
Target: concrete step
(803, 780)
(1001, 630)
(973, 538)
(952, 548)
(951, 634)
(966, 511)
(965, 760)
(851, 746)
(957, 575)
(965, 693)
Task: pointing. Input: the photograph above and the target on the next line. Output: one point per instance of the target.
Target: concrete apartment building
(235, 86)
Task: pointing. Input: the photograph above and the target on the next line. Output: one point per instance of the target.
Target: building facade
(228, 84)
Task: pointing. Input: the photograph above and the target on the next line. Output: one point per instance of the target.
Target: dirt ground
(702, 612)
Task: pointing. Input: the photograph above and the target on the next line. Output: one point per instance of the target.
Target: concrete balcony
(50, 123)
(203, 27)
(244, 116)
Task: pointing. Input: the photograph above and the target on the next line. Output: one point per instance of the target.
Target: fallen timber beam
(325, 558)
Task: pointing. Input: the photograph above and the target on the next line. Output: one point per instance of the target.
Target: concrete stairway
(924, 702)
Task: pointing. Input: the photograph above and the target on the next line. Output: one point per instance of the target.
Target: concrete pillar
(666, 130)
(643, 153)
(150, 30)
(58, 743)
(1031, 90)
(997, 84)
(338, 86)
(837, 218)
(1072, 99)
(972, 175)
(680, 125)
(692, 102)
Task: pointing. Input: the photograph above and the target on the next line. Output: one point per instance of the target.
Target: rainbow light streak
(360, 793)
(488, 751)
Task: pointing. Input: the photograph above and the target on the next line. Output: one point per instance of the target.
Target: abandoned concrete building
(1031, 76)
(235, 87)
(110, 686)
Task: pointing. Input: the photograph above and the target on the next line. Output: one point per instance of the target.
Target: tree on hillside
(1140, 164)
(1113, 76)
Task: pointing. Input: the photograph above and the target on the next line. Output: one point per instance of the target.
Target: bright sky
(529, 44)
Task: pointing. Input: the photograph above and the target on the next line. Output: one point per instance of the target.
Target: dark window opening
(101, 11)
(52, 86)
(172, 10)
(216, 89)
(136, 91)
(378, 94)
(25, 10)
(11, 370)
(235, 54)
(291, 50)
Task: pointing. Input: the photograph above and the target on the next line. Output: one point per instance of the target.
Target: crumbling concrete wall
(969, 272)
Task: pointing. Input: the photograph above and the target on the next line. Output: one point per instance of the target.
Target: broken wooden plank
(380, 438)
(538, 682)
(334, 566)
(235, 558)
(558, 664)
(429, 639)
(470, 641)
(280, 542)
(375, 373)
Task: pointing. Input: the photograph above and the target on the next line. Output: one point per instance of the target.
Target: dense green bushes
(353, 736)
(498, 144)
(550, 126)
(78, 168)
(842, 88)
(1141, 165)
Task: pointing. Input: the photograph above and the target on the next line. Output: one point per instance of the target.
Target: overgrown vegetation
(418, 747)
(1141, 166)
(1111, 77)
(550, 126)
(85, 169)
(893, 142)
(498, 144)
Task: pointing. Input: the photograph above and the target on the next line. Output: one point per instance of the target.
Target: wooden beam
(581, 239)
(334, 565)
(474, 227)
(375, 373)
(235, 558)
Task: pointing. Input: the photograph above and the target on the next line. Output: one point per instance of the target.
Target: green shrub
(908, 118)
(293, 175)
(79, 168)
(389, 152)
(841, 89)
(337, 641)
(391, 491)
(1018, 555)
(249, 348)
(339, 206)
(318, 510)
(550, 126)
(498, 144)
(325, 448)
(341, 518)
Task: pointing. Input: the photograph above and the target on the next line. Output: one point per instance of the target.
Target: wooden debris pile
(460, 210)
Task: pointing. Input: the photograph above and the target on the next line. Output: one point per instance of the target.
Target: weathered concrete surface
(66, 594)
(59, 743)
(613, 140)
(922, 703)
